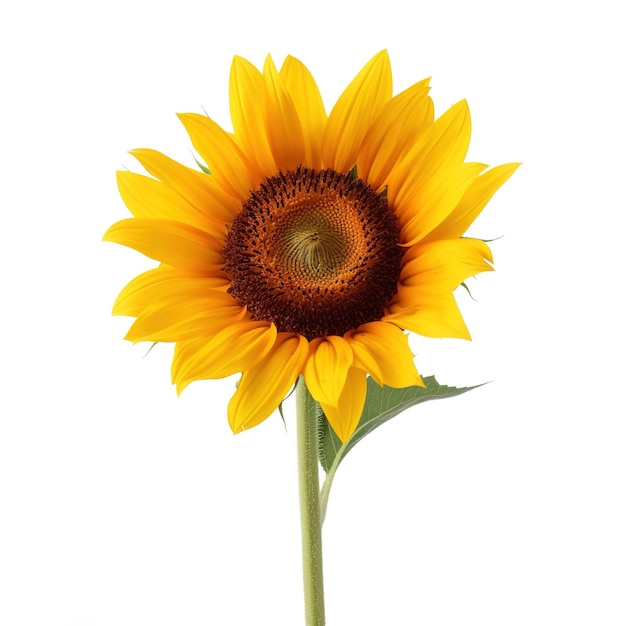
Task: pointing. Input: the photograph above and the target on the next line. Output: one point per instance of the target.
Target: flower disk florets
(315, 252)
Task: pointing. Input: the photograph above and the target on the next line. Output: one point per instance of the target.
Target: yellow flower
(314, 242)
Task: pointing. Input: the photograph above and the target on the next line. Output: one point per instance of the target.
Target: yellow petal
(441, 266)
(238, 347)
(146, 197)
(165, 285)
(192, 315)
(427, 315)
(335, 384)
(479, 192)
(230, 168)
(173, 243)
(344, 414)
(284, 131)
(382, 350)
(247, 111)
(353, 113)
(263, 387)
(326, 370)
(309, 106)
(433, 200)
(399, 124)
(444, 143)
(197, 188)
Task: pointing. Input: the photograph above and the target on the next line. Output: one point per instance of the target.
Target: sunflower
(309, 243)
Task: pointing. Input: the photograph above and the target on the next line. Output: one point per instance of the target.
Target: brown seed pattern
(315, 252)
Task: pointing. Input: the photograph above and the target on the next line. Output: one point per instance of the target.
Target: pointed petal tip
(460, 108)
(507, 170)
(235, 427)
(138, 153)
(109, 234)
(180, 385)
(184, 117)
(383, 57)
(130, 336)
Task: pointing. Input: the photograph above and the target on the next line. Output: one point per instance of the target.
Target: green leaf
(202, 166)
(150, 349)
(381, 404)
(464, 285)
(280, 406)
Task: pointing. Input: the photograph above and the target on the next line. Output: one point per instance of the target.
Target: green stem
(328, 483)
(308, 478)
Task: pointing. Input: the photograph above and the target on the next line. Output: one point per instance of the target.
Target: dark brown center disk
(315, 252)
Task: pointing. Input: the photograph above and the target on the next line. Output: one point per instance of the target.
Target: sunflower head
(315, 242)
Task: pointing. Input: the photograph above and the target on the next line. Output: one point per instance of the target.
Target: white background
(124, 504)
